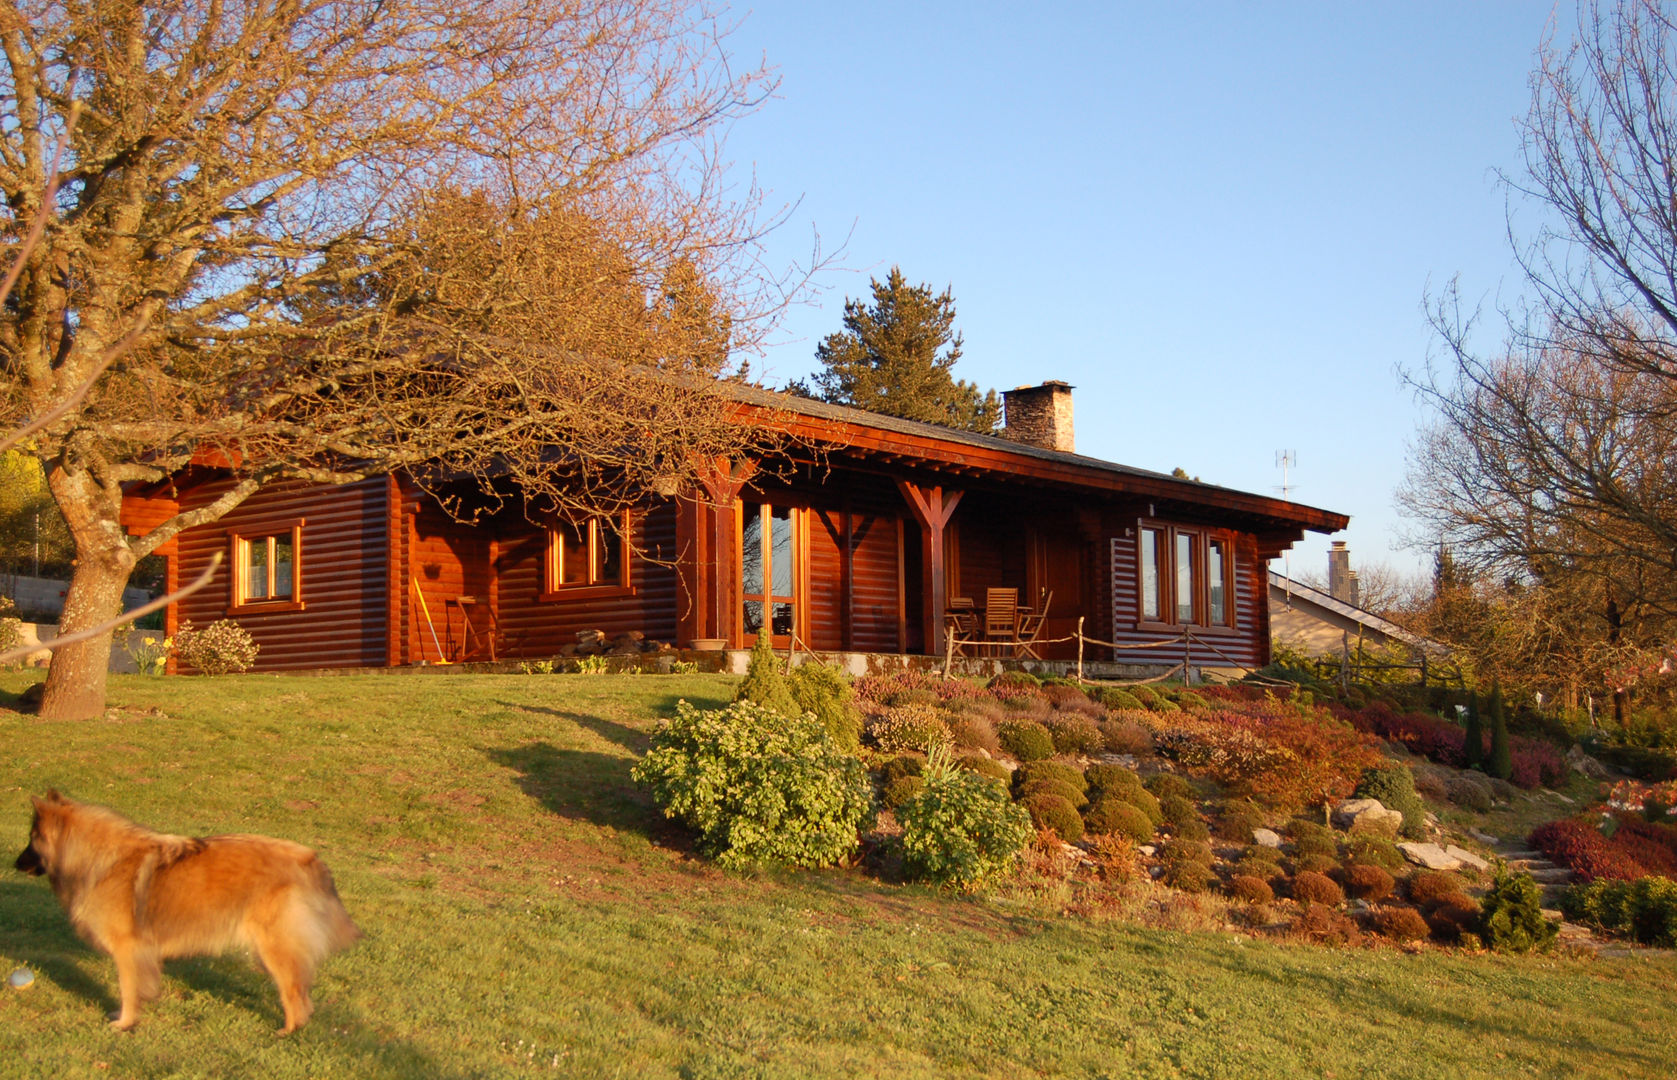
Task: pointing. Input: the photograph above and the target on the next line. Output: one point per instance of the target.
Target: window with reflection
(768, 569)
(1184, 576)
(267, 565)
(588, 554)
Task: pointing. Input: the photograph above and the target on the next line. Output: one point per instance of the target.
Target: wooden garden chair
(1030, 628)
(1001, 618)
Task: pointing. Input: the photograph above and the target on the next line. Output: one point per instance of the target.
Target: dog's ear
(53, 796)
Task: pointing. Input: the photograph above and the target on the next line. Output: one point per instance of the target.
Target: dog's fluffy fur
(144, 897)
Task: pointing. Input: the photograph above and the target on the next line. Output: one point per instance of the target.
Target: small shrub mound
(824, 691)
(1368, 882)
(1311, 843)
(903, 765)
(1190, 877)
(1373, 851)
(1169, 785)
(1053, 812)
(1644, 910)
(973, 732)
(221, 648)
(914, 695)
(1263, 869)
(1252, 890)
(1455, 919)
(1110, 815)
(1115, 698)
(757, 785)
(1069, 775)
(1177, 810)
(983, 766)
(1400, 924)
(1326, 926)
(1511, 917)
(1314, 888)
(961, 830)
(908, 727)
(1470, 793)
(764, 683)
(1427, 886)
(1015, 680)
(1054, 787)
(1185, 851)
(1074, 734)
(1112, 778)
(902, 789)
(1237, 821)
(1125, 736)
(1192, 829)
(1144, 801)
(1316, 863)
(1026, 740)
(1394, 785)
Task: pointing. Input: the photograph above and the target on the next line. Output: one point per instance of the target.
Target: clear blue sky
(1218, 222)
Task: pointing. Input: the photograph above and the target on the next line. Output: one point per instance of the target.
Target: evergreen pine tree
(895, 356)
(764, 683)
(1473, 746)
(1501, 763)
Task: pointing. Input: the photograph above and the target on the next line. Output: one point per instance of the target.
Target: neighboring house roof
(956, 450)
(1300, 592)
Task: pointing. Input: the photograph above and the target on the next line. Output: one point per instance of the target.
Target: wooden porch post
(713, 591)
(932, 507)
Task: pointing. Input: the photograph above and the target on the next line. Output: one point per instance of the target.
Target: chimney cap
(1046, 384)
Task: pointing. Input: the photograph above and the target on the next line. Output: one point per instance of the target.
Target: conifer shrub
(1026, 740)
(1250, 889)
(1142, 800)
(1165, 785)
(824, 691)
(983, 766)
(1368, 882)
(764, 683)
(962, 830)
(1188, 699)
(1315, 843)
(1469, 792)
(1316, 864)
(1237, 822)
(1109, 815)
(1074, 734)
(1315, 888)
(1427, 886)
(1393, 784)
(1115, 698)
(908, 727)
(1015, 680)
(1123, 735)
(1263, 869)
(1069, 775)
(757, 785)
(1112, 778)
(903, 765)
(1148, 697)
(1054, 812)
(1511, 916)
(1643, 910)
(1312, 832)
(1189, 877)
(1193, 829)
(1260, 853)
(1177, 850)
(1373, 851)
(902, 789)
(1400, 924)
(1500, 763)
(1473, 744)
(1177, 810)
(1054, 787)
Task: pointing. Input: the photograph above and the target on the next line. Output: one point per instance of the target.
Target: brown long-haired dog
(144, 897)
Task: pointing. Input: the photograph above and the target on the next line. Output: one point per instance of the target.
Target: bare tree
(315, 239)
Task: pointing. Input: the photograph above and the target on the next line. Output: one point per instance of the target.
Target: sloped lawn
(527, 914)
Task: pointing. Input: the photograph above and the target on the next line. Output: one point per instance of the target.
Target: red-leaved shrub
(1583, 849)
(1400, 924)
(1311, 887)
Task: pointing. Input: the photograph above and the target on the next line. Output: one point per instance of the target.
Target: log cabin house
(858, 549)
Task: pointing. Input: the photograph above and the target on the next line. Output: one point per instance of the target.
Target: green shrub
(1316, 863)
(903, 765)
(1187, 699)
(1053, 812)
(961, 830)
(1190, 877)
(1259, 853)
(1109, 815)
(1299, 828)
(1114, 698)
(1394, 785)
(1426, 886)
(757, 785)
(1470, 792)
(1026, 740)
(1016, 680)
(1311, 842)
(1400, 924)
(983, 766)
(1366, 881)
(1263, 869)
(1193, 828)
(1177, 809)
(764, 683)
(1166, 785)
(1112, 778)
(902, 789)
(1070, 775)
(1251, 889)
(1315, 888)
(823, 690)
(1511, 917)
(1176, 849)
(1373, 851)
(1500, 762)
(1074, 734)
(1644, 910)
(908, 727)
(1144, 801)
(972, 731)
(1237, 822)
(1148, 697)
(1054, 787)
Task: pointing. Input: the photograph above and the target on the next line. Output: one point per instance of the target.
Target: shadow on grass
(630, 739)
(34, 929)
(582, 784)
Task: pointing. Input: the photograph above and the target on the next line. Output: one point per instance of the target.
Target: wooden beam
(932, 508)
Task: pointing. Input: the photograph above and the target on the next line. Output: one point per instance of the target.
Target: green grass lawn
(528, 914)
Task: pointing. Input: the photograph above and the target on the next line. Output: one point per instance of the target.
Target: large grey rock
(1367, 815)
(1466, 857)
(1431, 856)
(1266, 838)
(1584, 763)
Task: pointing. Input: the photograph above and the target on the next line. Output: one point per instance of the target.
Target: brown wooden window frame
(554, 586)
(1201, 538)
(239, 540)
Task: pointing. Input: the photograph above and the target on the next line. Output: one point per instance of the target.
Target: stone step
(1558, 875)
(1515, 856)
(1530, 865)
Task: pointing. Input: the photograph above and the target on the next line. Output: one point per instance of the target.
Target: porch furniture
(475, 638)
(1001, 619)
(1030, 627)
(961, 623)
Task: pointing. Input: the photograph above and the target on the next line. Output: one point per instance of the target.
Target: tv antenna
(1285, 460)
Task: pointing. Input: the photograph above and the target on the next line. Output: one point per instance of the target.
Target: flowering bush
(221, 647)
(757, 785)
(961, 830)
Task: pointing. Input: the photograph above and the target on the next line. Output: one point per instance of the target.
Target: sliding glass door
(769, 570)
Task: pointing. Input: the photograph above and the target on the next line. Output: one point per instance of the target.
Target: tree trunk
(75, 688)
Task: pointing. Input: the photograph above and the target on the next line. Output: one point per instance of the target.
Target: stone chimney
(1040, 415)
(1342, 580)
